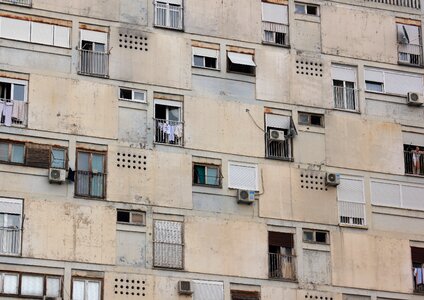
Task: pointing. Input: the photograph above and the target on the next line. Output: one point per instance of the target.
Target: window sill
(131, 227)
(89, 197)
(276, 45)
(288, 159)
(363, 227)
(348, 111)
(167, 144)
(206, 68)
(283, 279)
(93, 75)
(207, 185)
(16, 4)
(410, 65)
(168, 27)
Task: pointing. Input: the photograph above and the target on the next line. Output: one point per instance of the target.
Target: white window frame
(169, 103)
(133, 91)
(131, 213)
(6, 214)
(231, 185)
(86, 281)
(168, 4)
(208, 166)
(17, 82)
(305, 5)
(314, 233)
(204, 55)
(52, 159)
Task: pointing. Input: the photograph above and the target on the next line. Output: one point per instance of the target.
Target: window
(168, 247)
(93, 54)
(10, 226)
(31, 285)
(243, 176)
(169, 14)
(12, 152)
(90, 174)
(275, 28)
(86, 289)
(13, 102)
(392, 82)
(315, 236)
(241, 63)
(245, 295)
(58, 158)
(414, 159)
(306, 9)
(344, 87)
(131, 217)
(9, 283)
(280, 131)
(208, 175)
(311, 119)
(351, 201)
(132, 95)
(417, 255)
(18, 2)
(168, 127)
(409, 44)
(281, 256)
(205, 58)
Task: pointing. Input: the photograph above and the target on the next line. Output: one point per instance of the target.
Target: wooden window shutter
(38, 155)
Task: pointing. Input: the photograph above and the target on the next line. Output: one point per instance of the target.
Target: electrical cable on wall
(256, 124)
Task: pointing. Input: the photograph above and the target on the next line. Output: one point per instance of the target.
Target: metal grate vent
(133, 41)
(313, 181)
(128, 286)
(132, 161)
(308, 67)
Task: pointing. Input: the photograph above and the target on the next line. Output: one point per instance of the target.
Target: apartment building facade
(211, 150)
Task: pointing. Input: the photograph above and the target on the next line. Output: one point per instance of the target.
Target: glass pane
(137, 218)
(300, 9)
(53, 287)
(10, 284)
(338, 83)
(139, 96)
(83, 159)
(308, 236)
(2, 220)
(350, 84)
(93, 290)
(19, 92)
(374, 86)
(198, 61)
(17, 153)
(174, 113)
(99, 47)
(212, 177)
(125, 94)
(199, 174)
(32, 285)
(58, 158)
(12, 220)
(303, 118)
(97, 178)
(78, 290)
(97, 163)
(4, 152)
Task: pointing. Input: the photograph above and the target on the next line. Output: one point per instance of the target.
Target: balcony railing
(90, 184)
(10, 240)
(282, 266)
(93, 63)
(14, 113)
(275, 33)
(168, 15)
(346, 98)
(278, 149)
(414, 163)
(416, 4)
(410, 54)
(352, 213)
(169, 132)
(18, 2)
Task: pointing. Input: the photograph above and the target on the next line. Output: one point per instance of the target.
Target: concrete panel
(132, 125)
(353, 142)
(130, 248)
(215, 253)
(359, 260)
(221, 204)
(366, 33)
(124, 286)
(72, 106)
(316, 267)
(307, 36)
(399, 224)
(277, 293)
(81, 233)
(304, 153)
(133, 12)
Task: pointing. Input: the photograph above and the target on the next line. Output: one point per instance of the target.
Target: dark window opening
(245, 69)
(125, 94)
(210, 62)
(413, 159)
(280, 256)
(123, 216)
(280, 38)
(5, 90)
(312, 10)
(311, 119)
(321, 237)
(417, 255)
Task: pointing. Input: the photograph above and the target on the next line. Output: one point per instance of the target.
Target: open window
(130, 217)
(316, 236)
(409, 43)
(58, 158)
(344, 87)
(306, 9)
(281, 256)
(205, 58)
(241, 63)
(168, 122)
(93, 53)
(311, 119)
(275, 28)
(206, 175)
(133, 95)
(279, 134)
(417, 255)
(13, 102)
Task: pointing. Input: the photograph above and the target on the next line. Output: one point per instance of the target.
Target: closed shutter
(15, 29)
(280, 239)
(208, 290)
(412, 197)
(242, 176)
(355, 297)
(38, 155)
(244, 295)
(351, 190)
(385, 193)
(343, 73)
(168, 244)
(10, 206)
(41, 33)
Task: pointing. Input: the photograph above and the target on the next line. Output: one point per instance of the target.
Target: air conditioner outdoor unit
(245, 196)
(415, 99)
(184, 287)
(332, 179)
(276, 135)
(57, 175)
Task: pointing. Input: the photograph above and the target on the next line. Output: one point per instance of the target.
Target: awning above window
(282, 122)
(241, 59)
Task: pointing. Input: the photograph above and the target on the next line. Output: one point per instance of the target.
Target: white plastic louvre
(93, 36)
(243, 176)
(42, 33)
(410, 138)
(344, 73)
(385, 193)
(351, 190)
(168, 244)
(205, 52)
(10, 206)
(208, 290)
(15, 29)
(277, 121)
(275, 13)
(241, 59)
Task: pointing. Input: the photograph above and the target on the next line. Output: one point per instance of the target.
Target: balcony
(169, 132)
(282, 266)
(10, 240)
(15, 113)
(93, 63)
(275, 33)
(90, 184)
(352, 213)
(346, 98)
(410, 54)
(18, 2)
(169, 16)
(279, 149)
(417, 275)
(414, 162)
(415, 4)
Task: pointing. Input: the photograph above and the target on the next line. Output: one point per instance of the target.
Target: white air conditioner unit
(332, 179)
(57, 175)
(184, 287)
(415, 99)
(276, 135)
(245, 196)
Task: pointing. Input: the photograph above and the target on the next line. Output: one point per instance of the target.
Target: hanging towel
(171, 133)
(7, 112)
(18, 112)
(1, 109)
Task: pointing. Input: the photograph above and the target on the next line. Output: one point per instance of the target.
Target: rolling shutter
(38, 155)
